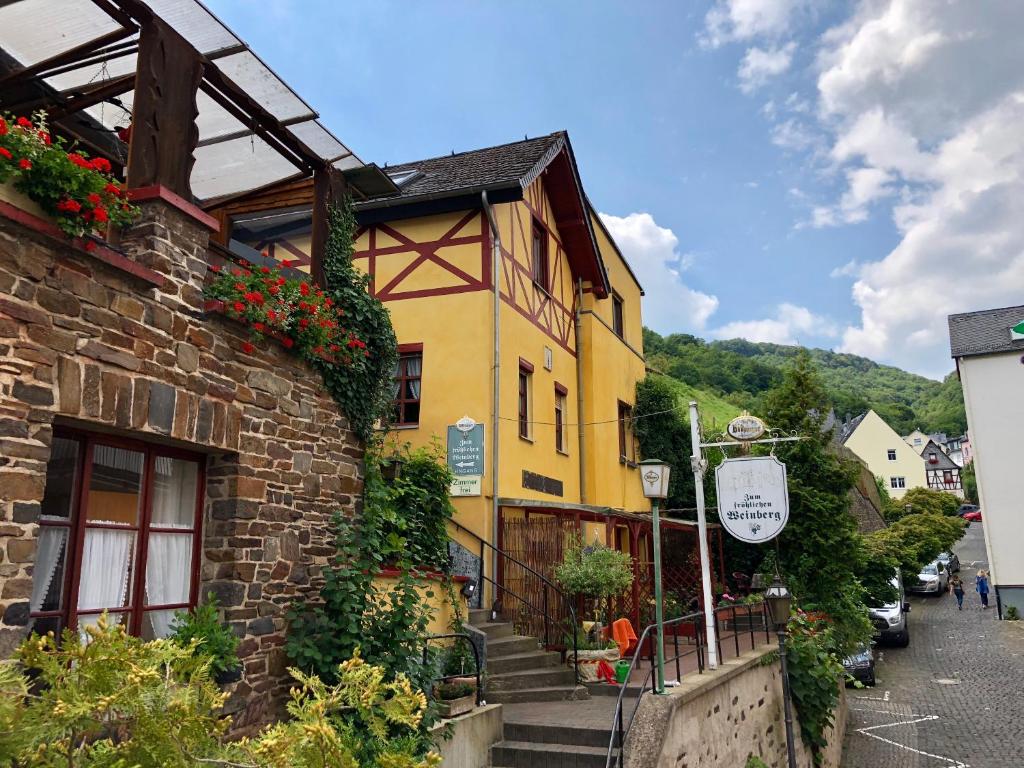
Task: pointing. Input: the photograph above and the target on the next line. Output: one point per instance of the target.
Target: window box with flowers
(39, 176)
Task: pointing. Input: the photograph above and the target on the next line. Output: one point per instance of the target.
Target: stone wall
(721, 718)
(85, 342)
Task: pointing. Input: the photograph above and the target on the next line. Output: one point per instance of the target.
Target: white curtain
(168, 571)
(48, 552)
(413, 367)
(106, 562)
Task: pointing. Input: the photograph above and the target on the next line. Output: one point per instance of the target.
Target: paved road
(954, 698)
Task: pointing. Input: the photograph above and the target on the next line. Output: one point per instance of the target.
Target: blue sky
(769, 166)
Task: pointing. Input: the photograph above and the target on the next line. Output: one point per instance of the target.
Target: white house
(880, 447)
(988, 347)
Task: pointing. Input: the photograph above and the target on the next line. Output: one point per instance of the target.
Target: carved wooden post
(328, 190)
(164, 132)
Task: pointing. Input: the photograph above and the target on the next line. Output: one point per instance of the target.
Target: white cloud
(670, 306)
(759, 65)
(849, 269)
(786, 327)
(796, 136)
(731, 20)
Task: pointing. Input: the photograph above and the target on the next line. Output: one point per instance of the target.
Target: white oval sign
(753, 498)
(465, 424)
(745, 428)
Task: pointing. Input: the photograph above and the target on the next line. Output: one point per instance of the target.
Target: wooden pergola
(203, 117)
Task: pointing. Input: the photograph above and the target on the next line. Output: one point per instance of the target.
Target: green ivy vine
(362, 388)
(814, 677)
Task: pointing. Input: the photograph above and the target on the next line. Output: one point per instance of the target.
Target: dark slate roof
(845, 430)
(479, 169)
(984, 332)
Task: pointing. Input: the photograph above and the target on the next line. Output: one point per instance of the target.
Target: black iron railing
(457, 636)
(735, 625)
(537, 608)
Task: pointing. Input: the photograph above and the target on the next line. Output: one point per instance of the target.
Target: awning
(55, 52)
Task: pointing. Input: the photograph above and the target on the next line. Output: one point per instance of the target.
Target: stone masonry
(85, 342)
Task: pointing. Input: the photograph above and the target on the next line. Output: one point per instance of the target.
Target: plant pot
(228, 676)
(20, 200)
(455, 707)
(591, 660)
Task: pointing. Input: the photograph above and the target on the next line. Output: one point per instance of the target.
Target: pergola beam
(66, 57)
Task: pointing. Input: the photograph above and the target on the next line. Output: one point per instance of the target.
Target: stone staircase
(518, 670)
(529, 745)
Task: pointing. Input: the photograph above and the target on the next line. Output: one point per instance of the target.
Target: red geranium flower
(271, 315)
(239, 286)
(304, 289)
(265, 270)
(24, 122)
(244, 262)
(90, 245)
(260, 327)
(239, 306)
(5, 153)
(71, 206)
(93, 198)
(25, 163)
(273, 290)
(101, 164)
(303, 322)
(214, 268)
(45, 137)
(288, 343)
(112, 189)
(287, 263)
(3, 127)
(254, 297)
(247, 347)
(100, 214)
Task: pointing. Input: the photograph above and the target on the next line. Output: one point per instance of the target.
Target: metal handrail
(543, 611)
(476, 658)
(697, 619)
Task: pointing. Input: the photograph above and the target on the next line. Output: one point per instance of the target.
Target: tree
(970, 482)
(820, 550)
(921, 500)
(662, 428)
(917, 539)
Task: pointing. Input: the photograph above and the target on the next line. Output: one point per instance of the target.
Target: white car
(932, 580)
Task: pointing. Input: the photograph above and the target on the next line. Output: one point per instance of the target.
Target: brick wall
(85, 342)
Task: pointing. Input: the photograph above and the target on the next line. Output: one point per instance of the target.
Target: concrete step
(497, 629)
(549, 693)
(530, 678)
(507, 646)
(479, 615)
(606, 689)
(557, 734)
(525, 753)
(517, 662)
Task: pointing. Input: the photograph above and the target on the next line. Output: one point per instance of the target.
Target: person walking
(956, 586)
(982, 587)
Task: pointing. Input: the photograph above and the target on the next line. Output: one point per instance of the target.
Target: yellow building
(886, 453)
(565, 340)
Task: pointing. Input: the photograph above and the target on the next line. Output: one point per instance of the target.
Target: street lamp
(909, 508)
(780, 601)
(654, 477)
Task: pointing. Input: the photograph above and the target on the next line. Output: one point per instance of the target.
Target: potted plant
(39, 175)
(214, 640)
(595, 571)
(455, 698)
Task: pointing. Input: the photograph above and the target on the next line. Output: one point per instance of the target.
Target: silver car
(890, 620)
(932, 580)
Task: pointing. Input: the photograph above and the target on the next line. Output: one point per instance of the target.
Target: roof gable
(942, 458)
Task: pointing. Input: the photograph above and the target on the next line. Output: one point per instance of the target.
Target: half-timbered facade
(942, 472)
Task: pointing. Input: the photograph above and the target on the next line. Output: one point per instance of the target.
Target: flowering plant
(297, 314)
(80, 193)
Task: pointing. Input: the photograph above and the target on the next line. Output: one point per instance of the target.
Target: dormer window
(932, 458)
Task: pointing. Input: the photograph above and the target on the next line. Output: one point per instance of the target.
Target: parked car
(965, 508)
(972, 517)
(861, 665)
(950, 560)
(932, 580)
(890, 620)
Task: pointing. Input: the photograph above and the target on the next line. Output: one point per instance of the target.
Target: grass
(714, 411)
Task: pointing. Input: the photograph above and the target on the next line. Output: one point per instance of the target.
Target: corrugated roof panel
(35, 30)
(195, 23)
(258, 81)
(237, 166)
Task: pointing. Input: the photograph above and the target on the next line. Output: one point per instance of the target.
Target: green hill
(715, 412)
(737, 372)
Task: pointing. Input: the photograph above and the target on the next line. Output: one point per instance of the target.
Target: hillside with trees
(740, 372)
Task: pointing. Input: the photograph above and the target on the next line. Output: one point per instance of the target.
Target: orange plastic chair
(624, 636)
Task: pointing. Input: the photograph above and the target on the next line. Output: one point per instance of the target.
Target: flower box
(9, 194)
(455, 707)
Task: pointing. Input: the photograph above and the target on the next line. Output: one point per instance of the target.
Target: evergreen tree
(820, 551)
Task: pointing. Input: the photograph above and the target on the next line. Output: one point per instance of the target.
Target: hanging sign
(745, 428)
(753, 498)
(466, 447)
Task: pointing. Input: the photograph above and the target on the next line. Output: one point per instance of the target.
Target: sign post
(699, 466)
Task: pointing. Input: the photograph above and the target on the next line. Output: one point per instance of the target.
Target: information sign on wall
(466, 485)
(753, 498)
(466, 448)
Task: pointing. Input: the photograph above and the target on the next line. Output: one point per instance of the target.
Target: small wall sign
(466, 447)
(753, 497)
(745, 428)
(466, 485)
(1017, 331)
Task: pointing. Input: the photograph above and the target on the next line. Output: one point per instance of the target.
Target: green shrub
(202, 630)
(594, 570)
(755, 762)
(814, 675)
(449, 691)
(1012, 614)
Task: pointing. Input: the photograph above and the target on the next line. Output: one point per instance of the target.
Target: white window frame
(897, 483)
(891, 453)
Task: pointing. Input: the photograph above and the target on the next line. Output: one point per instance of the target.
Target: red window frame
(625, 416)
(401, 417)
(78, 523)
(525, 377)
(540, 266)
(618, 321)
(560, 406)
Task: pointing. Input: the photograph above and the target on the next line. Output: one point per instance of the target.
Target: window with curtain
(406, 385)
(119, 532)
